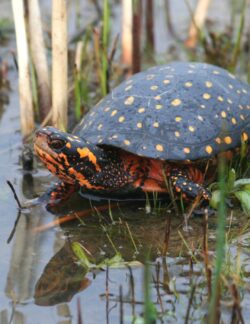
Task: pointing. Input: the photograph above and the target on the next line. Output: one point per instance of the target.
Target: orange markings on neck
(82, 180)
(85, 152)
(64, 156)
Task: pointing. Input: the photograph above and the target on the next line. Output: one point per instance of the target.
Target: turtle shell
(180, 111)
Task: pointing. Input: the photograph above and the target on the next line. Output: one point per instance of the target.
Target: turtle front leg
(60, 192)
(187, 187)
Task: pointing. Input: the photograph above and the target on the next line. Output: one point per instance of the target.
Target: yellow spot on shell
(121, 119)
(156, 124)
(209, 84)
(127, 142)
(244, 90)
(216, 72)
(242, 117)
(244, 136)
(223, 114)
(114, 112)
(220, 98)
(99, 126)
(68, 145)
(178, 118)
(206, 96)
(200, 118)
(230, 86)
(191, 128)
(176, 102)
(159, 147)
(234, 121)
(141, 110)
(157, 97)
(188, 84)
(139, 125)
(166, 81)
(177, 134)
(186, 150)
(228, 140)
(209, 149)
(154, 87)
(158, 106)
(107, 109)
(238, 91)
(229, 101)
(129, 101)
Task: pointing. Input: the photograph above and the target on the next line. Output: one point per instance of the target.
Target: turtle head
(69, 157)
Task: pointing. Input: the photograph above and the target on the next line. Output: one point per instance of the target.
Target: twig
(195, 203)
(79, 312)
(205, 252)
(113, 50)
(14, 193)
(107, 294)
(14, 227)
(190, 304)
(236, 311)
(132, 285)
(121, 304)
(167, 234)
(157, 287)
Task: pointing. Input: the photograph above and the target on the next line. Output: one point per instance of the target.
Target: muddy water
(42, 280)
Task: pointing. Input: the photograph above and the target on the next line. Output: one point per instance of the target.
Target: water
(42, 280)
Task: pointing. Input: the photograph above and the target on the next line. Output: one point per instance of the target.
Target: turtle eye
(57, 144)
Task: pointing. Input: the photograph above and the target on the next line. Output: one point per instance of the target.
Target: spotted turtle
(159, 127)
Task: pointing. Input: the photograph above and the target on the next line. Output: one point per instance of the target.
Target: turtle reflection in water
(61, 279)
(164, 123)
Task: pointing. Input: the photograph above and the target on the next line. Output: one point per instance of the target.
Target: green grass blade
(105, 40)
(220, 245)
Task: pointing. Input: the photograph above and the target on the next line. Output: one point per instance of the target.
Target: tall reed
(104, 52)
(150, 41)
(198, 20)
(59, 64)
(136, 40)
(26, 108)
(38, 53)
(127, 49)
